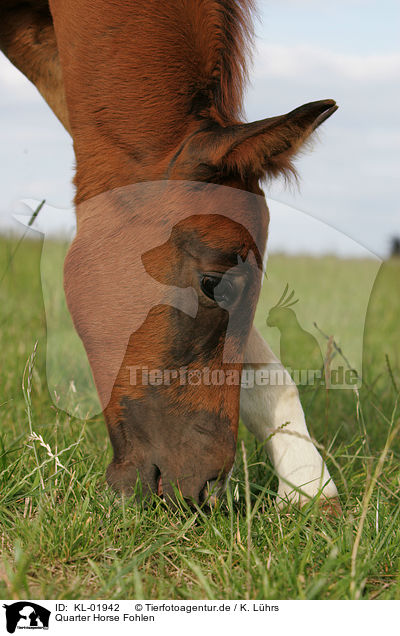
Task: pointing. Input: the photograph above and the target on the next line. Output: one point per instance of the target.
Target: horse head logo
(26, 615)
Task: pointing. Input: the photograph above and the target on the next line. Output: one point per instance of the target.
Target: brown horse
(166, 268)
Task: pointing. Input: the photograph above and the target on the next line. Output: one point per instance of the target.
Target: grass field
(64, 534)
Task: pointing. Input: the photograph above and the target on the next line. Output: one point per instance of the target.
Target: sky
(306, 50)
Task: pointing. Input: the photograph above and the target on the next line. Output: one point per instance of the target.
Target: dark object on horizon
(395, 247)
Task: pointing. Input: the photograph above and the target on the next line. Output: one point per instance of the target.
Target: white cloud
(281, 61)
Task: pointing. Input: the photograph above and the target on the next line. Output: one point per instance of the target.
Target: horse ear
(267, 147)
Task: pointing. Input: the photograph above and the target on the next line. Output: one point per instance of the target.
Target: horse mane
(222, 38)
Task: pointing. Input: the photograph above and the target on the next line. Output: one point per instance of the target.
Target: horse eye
(218, 288)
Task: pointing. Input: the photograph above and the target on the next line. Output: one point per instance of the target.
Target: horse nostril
(158, 480)
(203, 494)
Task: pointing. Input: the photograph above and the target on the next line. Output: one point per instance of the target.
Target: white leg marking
(275, 416)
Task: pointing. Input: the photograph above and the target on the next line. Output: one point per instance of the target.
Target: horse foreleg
(273, 413)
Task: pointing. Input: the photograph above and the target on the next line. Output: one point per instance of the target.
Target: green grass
(64, 534)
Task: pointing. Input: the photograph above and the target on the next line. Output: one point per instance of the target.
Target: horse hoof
(331, 507)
